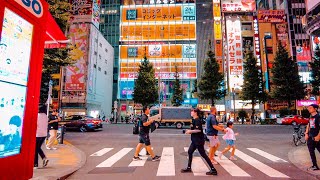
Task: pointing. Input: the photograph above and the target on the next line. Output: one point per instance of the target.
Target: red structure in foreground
(26, 28)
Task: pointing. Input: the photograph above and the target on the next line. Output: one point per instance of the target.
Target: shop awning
(55, 38)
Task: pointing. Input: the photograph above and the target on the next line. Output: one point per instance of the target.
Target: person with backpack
(144, 138)
(197, 142)
(213, 127)
(312, 135)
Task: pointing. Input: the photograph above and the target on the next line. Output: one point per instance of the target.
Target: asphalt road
(110, 151)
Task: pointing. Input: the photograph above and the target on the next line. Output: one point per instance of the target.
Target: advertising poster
(235, 58)
(217, 30)
(75, 75)
(155, 50)
(126, 89)
(15, 48)
(303, 52)
(189, 51)
(282, 34)
(96, 13)
(272, 16)
(238, 5)
(158, 32)
(256, 40)
(189, 12)
(12, 106)
(82, 10)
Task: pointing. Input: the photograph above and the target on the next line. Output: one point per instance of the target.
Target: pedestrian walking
(312, 135)
(144, 138)
(53, 128)
(197, 142)
(42, 129)
(213, 127)
(230, 138)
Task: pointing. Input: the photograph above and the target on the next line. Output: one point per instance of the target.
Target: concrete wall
(100, 75)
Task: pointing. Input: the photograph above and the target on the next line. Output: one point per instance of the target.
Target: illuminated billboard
(158, 13)
(158, 51)
(238, 5)
(154, 2)
(15, 50)
(235, 57)
(158, 32)
(187, 69)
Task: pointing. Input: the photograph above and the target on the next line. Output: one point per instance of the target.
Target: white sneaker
(54, 148)
(232, 158)
(48, 148)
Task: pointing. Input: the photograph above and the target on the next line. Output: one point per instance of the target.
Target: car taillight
(89, 121)
(96, 122)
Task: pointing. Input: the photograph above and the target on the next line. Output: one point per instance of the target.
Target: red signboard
(272, 16)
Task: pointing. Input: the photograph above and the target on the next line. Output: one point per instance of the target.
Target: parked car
(83, 123)
(293, 119)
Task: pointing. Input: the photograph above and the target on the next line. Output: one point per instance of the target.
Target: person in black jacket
(197, 142)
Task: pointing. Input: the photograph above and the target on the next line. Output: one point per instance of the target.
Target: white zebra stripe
(267, 155)
(166, 165)
(101, 152)
(115, 158)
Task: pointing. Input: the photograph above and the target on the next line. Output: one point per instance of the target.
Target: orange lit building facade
(165, 32)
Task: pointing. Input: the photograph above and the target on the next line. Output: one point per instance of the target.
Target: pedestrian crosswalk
(168, 167)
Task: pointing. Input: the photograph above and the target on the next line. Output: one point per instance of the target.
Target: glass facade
(109, 27)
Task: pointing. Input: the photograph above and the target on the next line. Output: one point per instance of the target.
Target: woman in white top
(42, 131)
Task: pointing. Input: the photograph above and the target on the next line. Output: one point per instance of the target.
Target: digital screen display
(12, 105)
(15, 48)
(15, 51)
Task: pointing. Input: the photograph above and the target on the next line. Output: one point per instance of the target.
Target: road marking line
(144, 152)
(138, 163)
(230, 167)
(116, 157)
(166, 165)
(101, 152)
(267, 155)
(199, 168)
(260, 166)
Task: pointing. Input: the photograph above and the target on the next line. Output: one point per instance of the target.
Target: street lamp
(267, 36)
(159, 84)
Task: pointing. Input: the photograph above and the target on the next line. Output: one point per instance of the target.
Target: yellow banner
(217, 30)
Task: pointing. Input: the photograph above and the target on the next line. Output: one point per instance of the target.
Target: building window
(95, 66)
(99, 68)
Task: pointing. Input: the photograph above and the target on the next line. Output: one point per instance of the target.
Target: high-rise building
(165, 32)
(109, 27)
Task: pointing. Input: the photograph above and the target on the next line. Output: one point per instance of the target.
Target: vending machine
(22, 37)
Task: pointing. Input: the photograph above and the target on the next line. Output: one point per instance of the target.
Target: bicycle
(298, 135)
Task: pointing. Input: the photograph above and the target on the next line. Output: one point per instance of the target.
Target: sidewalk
(62, 162)
(300, 157)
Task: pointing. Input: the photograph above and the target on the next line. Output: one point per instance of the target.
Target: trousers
(202, 152)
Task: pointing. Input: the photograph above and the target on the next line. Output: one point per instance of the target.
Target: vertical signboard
(282, 34)
(256, 40)
(15, 52)
(217, 33)
(235, 58)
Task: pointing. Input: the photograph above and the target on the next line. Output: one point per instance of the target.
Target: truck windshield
(154, 112)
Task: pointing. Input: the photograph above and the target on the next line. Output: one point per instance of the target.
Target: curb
(66, 173)
(297, 163)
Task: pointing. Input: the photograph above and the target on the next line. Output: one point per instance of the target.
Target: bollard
(62, 134)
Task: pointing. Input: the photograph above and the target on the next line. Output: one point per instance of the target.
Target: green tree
(315, 71)
(55, 58)
(252, 88)
(210, 84)
(177, 90)
(145, 88)
(285, 78)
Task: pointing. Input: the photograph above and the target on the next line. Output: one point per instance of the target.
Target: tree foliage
(315, 71)
(252, 88)
(210, 84)
(177, 90)
(55, 58)
(285, 78)
(145, 88)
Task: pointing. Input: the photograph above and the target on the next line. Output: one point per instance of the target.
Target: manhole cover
(113, 170)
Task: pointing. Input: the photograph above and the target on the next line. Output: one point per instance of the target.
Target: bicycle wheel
(295, 139)
(302, 139)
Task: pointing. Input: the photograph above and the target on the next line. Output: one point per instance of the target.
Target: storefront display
(16, 39)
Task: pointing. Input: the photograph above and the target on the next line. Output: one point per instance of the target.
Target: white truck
(168, 116)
